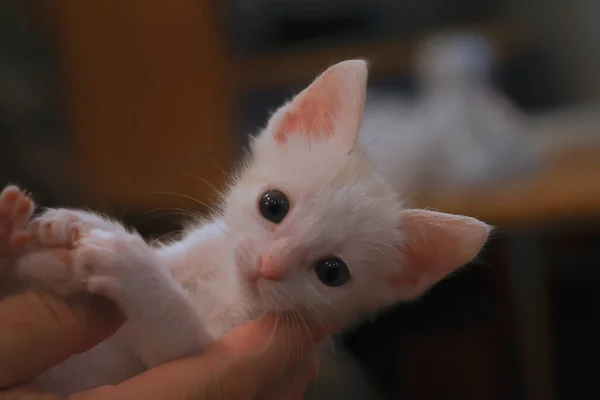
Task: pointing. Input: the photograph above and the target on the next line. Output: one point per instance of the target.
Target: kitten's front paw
(114, 264)
(16, 207)
(54, 236)
(74, 251)
(60, 227)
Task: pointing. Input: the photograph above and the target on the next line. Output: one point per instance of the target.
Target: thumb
(244, 364)
(266, 357)
(38, 331)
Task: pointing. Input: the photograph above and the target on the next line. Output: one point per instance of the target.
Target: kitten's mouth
(250, 279)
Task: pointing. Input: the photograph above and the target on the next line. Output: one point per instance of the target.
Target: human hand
(261, 359)
(38, 331)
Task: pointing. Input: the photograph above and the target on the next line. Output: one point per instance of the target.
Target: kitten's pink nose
(269, 268)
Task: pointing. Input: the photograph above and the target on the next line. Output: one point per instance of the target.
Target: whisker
(160, 239)
(319, 316)
(246, 254)
(185, 196)
(225, 173)
(287, 317)
(315, 353)
(206, 182)
(272, 334)
(172, 211)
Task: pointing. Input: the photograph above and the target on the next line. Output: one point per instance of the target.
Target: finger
(38, 331)
(243, 364)
(294, 385)
(24, 393)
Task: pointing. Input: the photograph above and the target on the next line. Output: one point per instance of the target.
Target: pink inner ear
(436, 244)
(313, 112)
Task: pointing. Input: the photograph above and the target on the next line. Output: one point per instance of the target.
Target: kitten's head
(316, 227)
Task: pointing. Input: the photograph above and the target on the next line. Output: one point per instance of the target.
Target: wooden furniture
(148, 99)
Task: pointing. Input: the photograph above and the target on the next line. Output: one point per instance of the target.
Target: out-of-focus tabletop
(566, 186)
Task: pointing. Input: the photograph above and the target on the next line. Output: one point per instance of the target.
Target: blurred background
(138, 107)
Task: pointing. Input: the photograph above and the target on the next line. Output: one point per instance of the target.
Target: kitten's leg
(101, 257)
(15, 210)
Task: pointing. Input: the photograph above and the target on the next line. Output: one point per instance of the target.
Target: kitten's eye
(332, 272)
(274, 206)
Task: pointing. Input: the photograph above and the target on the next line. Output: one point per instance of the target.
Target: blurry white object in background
(477, 136)
(459, 134)
(393, 140)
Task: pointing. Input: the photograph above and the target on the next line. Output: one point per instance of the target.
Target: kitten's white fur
(180, 296)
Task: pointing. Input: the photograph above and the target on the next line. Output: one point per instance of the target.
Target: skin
(265, 359)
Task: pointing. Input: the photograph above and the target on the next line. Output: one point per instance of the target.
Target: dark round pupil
(332, 272)
(274, 206)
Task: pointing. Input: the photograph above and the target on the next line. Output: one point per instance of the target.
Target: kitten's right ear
(435, 245)
(329, 109)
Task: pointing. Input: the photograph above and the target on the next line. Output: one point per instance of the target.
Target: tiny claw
(76, 236)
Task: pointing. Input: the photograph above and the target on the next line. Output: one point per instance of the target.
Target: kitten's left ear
(330, 108)
(435, 245)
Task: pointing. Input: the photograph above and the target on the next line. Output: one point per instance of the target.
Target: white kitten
(307, 225)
